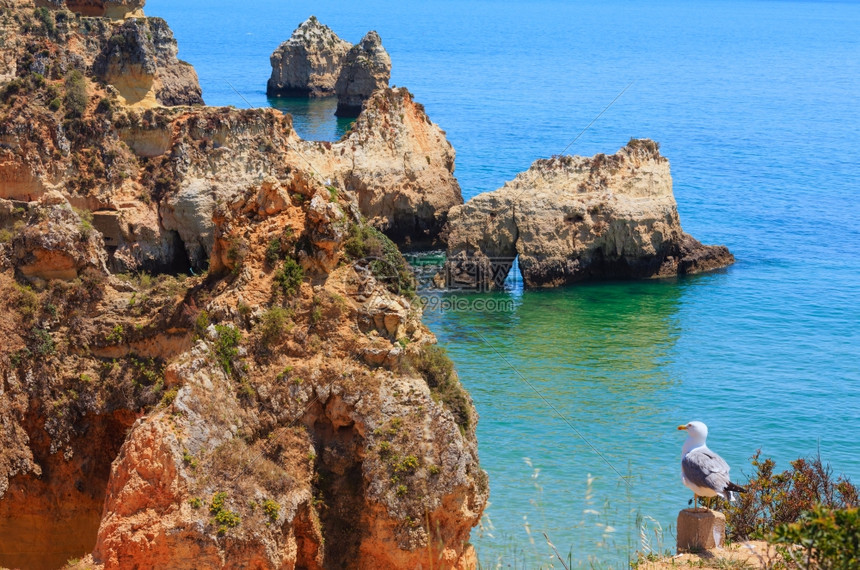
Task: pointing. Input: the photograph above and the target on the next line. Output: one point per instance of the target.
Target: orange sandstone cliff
(211, 356)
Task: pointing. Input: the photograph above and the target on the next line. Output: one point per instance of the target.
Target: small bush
(271, 509)
(223, 517)
(289, 278)
(201, 323)
(438, 370)
(273, 251)
(227, 347)
(368, 245)
(775, 499)
(830, 538)
(43, 342)
(273, 324)
(76, 98)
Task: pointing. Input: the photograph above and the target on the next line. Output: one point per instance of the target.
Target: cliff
(571, 219)
(366, 68)
(308, 63)
(282, 406)
(315, 62)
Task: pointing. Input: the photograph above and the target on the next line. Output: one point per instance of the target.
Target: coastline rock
(366, 68)
(571, 219)
(400, 166)
(115, 9)
(307, 64)
(139, 59)
(286, 409)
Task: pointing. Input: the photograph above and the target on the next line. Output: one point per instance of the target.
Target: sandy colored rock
(307, 64)
(700, 529)
(399, 164)
(572, 219)
(269, 413)
(139, 59)
(366, 68)
(116, 9)
(751, 554)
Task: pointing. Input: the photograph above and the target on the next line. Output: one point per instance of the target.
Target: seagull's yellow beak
(682, 427)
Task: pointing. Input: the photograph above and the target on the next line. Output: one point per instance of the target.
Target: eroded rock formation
(307, 64)
(285, 408)
(571, 219)
(137, 55)
(366, 68)
(116, 9)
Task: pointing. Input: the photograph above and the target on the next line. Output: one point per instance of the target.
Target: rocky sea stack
(572, 218)
(211, 358)
(307, 64)
(366, 68)
(314, 62)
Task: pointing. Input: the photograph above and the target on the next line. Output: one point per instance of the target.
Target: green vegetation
(776, 499)
(367, 244)
(46, 17)
(830, 538)
(227, 347)
(272, 510)
(201, 323)
(333, 193)
(289, 278)
(116, 335)
(43, 342)
(273, 324)
(438, 370)
(195, 503)
(76, 98)
(223, 517)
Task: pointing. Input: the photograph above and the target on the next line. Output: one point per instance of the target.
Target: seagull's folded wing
(704, 468)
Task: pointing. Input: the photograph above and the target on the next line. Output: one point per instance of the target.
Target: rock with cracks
(574, 218)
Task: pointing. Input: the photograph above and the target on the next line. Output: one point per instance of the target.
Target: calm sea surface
(756, 105)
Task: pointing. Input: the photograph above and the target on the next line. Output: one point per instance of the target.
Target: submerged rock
(573, 218)
(366, 68)
(307, 64)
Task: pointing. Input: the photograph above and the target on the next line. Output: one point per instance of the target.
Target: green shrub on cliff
(774, 499)
(438, 370)
(227, 347)
(368, 245)
(829, 538)
(76, 98)
(289, 277)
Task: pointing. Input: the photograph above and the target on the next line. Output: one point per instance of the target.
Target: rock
(57, 244)
(307, 64)
(401, 167)
(571, 219)
(366, 68)
(139, 60)
(116, 9)
(700, 529)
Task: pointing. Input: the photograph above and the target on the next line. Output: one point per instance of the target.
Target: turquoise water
(756, 106)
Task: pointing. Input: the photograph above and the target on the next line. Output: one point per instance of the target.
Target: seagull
(703, 471)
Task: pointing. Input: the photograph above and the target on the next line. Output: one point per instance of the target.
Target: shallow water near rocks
(755, 105)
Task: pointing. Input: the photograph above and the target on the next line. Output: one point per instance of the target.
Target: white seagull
(703, 471)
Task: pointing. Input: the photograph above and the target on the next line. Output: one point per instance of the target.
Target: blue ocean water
(757, 106)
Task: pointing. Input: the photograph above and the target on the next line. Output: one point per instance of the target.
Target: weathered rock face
(287, 409)
(400, 166)
(116, 9)
(571, 219)
(366, 68)
(139, 60)
(137, 55)
(307, 64)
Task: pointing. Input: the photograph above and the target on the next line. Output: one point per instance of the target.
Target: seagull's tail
(737, 488)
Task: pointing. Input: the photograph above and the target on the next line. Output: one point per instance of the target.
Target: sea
(756, 104)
